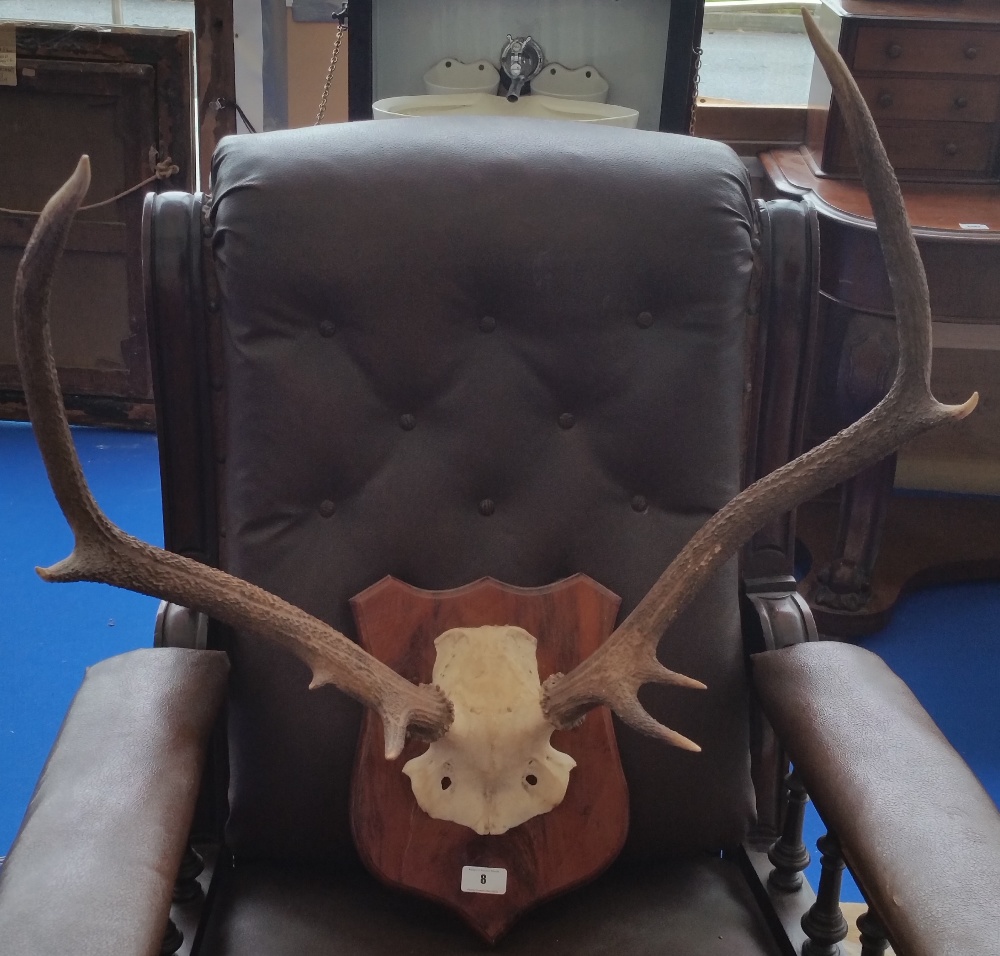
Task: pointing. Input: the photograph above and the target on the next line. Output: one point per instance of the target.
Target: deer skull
(494, 768)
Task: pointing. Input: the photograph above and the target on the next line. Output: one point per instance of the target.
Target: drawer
(959, 148)
(966, 99)
(938, 50)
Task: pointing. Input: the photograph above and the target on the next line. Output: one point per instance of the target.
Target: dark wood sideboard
(923, 539)
(930, 73)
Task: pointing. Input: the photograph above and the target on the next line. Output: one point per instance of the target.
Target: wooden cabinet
(873, 545)
(930, 73)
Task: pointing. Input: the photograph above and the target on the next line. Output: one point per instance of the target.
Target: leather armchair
(404, 348)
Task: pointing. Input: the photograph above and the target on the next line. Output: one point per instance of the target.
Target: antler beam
(627, 660)
(104, 553)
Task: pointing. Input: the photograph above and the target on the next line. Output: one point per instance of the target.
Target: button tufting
(566, 420)
(487, 323)
(327, 328)
(487, 507)
(639, 503)
(407, 422)
(644, 320)
(327, 508)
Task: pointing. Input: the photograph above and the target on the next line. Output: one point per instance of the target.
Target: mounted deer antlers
(627, 660)
(612, 675)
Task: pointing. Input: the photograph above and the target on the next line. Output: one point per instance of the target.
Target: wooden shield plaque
(548, 854)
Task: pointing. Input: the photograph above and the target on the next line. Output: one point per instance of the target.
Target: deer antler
(627, 660)
(106, 554)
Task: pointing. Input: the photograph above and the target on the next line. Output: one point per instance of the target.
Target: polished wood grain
(545, 856)
(930, 206)
(864, 553)
(901, 48)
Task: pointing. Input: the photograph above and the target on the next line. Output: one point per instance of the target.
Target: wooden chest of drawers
(930, 72)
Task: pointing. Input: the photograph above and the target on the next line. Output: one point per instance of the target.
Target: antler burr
(104, 553)
(627, 660)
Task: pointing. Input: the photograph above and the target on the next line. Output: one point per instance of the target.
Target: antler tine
(106, 554)
(627, 660)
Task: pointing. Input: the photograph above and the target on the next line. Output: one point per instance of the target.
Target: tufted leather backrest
(451, 349)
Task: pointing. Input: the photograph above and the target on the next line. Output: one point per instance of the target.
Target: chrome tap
(521, 60)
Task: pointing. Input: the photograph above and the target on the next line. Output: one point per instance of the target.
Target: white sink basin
(482, 104)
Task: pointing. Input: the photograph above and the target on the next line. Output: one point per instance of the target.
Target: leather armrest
(920, 834)
(93, 867)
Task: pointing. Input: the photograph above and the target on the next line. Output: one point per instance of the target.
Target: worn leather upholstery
(460, 348)
(693, 907)
(93, 867)
(917, 828)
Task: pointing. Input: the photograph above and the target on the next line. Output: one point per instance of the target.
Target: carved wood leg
(873, 941)
(845, 583)
(862, 352)
(172, 939)
(187, 887)
(788, 853)
(824, 924)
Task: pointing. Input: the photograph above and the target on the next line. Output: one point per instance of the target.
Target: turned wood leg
(824, 923)
(172, 939)
(187, 887)
(788, 853)
(873, 941)
(865, 351)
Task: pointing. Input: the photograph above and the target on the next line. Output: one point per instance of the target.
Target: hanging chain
(341, 30)
(695, 85)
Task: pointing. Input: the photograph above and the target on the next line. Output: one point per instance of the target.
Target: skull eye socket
(445, 783)
(531, 780)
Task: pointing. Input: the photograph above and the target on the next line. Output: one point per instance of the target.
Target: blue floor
(49, 633)
(944, 642)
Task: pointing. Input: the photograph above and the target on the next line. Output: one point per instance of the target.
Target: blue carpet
(49, 633)
(943, 642)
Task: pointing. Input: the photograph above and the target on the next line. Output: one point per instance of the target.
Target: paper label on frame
(484, 879)
(8, 55)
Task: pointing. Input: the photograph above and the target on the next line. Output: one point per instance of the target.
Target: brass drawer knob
(894, 51)
(885, 100)
(961, 102)
(971, 52)
(951, 148)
